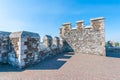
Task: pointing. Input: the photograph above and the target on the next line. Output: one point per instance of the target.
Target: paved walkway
(67, 67)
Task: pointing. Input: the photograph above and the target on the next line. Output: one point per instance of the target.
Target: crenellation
(88, 39)
(97, 23)
(23, 48)
(50, 46)
(47, 40)
(61, 43)
(56, 41)
(68, 24)
(66, 27)
(4, 46)
(80, 25)
(55, 45)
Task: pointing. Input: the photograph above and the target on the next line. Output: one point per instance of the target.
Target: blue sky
(47, 16)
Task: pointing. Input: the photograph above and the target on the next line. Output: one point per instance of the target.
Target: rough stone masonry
(89, 39)
(23, 48)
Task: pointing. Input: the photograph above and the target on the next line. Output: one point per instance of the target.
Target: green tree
(116, 44)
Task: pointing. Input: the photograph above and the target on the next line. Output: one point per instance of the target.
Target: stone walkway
(67, 67)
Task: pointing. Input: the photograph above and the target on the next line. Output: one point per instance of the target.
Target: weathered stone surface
(65, 47)
(55, 45)
(80, 25)
(4, 46)
(47, 40)
(65, 28)
(97, 23)
(56, 41)
(25, 48)
(50, 45)
(90, 40)
(44, 51)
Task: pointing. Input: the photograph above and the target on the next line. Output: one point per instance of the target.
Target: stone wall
(4, 46)
(89, 39)
(53, 46)
(23, 48)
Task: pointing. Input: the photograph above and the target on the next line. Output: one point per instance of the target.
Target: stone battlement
(84, 39)
(24, 48)
(95, 23)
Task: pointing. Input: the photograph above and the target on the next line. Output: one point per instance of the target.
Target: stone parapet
(25, 48)
(4, 46)
(90, 39)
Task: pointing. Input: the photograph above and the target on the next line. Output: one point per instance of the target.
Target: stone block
(80, 25)
(97, 23)
(66, 27)
(4, 46)
(47, 40)
(56, 41)
(25, 45)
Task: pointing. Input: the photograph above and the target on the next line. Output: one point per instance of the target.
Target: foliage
(117, 44)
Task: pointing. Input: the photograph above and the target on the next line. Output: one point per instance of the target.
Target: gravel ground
(67, 67)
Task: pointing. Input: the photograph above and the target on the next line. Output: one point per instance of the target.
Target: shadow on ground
(113, 54)
(52, 63)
